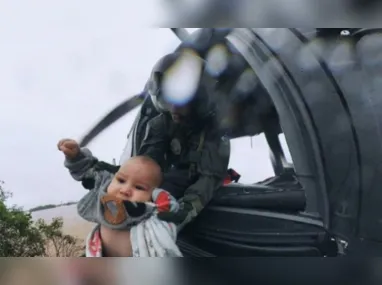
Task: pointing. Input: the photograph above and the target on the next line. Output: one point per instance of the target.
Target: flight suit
(194, 158)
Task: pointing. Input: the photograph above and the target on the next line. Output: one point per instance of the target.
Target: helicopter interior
(323, 108)
(275, 217)
(267, 218)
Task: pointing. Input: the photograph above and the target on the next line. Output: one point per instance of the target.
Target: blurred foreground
(267, 14)
(186, 271)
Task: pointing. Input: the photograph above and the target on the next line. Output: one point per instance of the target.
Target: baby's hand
(69, 147)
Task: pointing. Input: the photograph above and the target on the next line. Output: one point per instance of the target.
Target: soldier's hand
(182, 217)
(69, 147)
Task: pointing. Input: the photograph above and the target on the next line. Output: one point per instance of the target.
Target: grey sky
(61, 69)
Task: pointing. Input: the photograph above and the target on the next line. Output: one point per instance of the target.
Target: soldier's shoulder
(159, 120)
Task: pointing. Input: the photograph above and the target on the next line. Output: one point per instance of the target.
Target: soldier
(183, 139)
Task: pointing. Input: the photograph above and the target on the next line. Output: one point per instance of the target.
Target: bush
(57, 244)
(21, 237)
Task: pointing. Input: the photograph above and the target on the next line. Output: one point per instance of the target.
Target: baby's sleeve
(82, 166)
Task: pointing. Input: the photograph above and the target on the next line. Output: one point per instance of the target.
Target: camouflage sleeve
(155, 140)
(212, 168)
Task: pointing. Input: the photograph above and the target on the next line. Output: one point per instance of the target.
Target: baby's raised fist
(69, 147)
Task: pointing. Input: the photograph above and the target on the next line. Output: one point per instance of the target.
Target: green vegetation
(21, 237)
(56, 243)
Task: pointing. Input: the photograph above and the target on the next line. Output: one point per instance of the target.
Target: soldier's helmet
(179, 79)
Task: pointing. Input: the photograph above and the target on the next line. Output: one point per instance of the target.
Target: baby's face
(135, 181)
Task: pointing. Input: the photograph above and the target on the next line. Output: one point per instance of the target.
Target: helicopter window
(250, 158)
(285, 147)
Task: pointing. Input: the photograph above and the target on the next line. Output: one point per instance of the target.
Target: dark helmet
(179, 79)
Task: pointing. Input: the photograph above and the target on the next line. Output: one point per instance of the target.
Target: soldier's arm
(212, 168)
(154, 143)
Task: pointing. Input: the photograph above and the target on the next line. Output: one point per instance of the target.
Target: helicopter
(320, 88)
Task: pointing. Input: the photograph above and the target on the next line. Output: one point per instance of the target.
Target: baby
(119, 202)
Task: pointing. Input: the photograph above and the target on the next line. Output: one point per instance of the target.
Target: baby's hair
(149, 160)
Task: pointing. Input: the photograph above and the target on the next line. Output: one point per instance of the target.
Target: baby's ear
(136, 209)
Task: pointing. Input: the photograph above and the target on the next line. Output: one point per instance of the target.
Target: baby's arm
(82, 166)
(79, 162)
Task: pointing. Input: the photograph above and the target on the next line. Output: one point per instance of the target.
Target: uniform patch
(176, 147)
